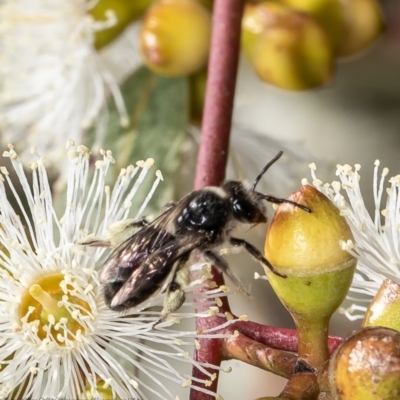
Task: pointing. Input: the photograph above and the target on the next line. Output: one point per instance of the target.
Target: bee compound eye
(248, 212)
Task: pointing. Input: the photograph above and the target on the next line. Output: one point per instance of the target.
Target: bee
(151, 256)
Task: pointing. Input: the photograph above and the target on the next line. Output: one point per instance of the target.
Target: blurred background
(67, 78)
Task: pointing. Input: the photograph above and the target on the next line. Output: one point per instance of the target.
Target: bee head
(247, 206)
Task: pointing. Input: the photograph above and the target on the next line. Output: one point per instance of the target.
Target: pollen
(186, 383)
(43, 307)
(224, 288)
(228, 316)
(213, 311)
(159, 175)
(134, 383)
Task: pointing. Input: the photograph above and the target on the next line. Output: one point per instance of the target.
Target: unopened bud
(306, 248)
(124, 12)
(287, 48)
(366, 366)
(363, 25)
(384, 309)
(175, 37)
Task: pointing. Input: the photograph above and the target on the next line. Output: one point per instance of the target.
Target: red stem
(220, 92)
(278, 338)
(213, 151)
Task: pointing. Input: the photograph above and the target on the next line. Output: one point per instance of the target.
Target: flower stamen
(47, 302)
(58, 320)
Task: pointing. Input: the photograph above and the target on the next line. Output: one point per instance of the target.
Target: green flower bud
(329, 14)
(384, 309)
(306, 248)
(124, 11)
(175, 37)
(366, 366)
(287, 48)
(364, 24)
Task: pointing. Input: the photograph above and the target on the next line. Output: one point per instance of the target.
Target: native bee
(148, 256)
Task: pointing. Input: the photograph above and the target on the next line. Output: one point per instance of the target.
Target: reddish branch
(220, 93)
(278, 338)
(216, 128)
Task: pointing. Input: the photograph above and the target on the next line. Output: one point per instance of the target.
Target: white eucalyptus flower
(53, 82)
(376, 239)
(57, 337)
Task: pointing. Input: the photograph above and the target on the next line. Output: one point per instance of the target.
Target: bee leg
(115, 233)
(255, 254)
(139, 223)
(223, 266)
(175, 296)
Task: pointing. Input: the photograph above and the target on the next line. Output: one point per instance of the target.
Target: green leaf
(158, 110)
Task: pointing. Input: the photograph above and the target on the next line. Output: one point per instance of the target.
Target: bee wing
(145, 280)
(134, 250)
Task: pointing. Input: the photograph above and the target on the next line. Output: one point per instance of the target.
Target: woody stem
(213, 151)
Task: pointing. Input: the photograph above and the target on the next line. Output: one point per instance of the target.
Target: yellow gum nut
(292, 52)
(256, 18)
(366, 366)
(384, 309)
(125, 13)
(364, 23)
(329, 13)
(175, 37)
(306, 248)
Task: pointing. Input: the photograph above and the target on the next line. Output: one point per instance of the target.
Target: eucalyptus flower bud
(306, 248)
(287, 48)
(366, 366)
(364, 24)
(175, 37)
(384, 309)
(329, 13)
(124, 11)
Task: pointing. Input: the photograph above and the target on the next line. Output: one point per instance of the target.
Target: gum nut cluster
(293, 44)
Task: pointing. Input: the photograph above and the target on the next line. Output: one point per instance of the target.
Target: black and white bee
(148, 257)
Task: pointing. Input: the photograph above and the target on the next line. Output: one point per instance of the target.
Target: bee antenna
(276, 200)
(264, 170)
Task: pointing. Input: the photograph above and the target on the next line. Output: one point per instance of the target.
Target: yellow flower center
(45, 301)
(103, 391)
